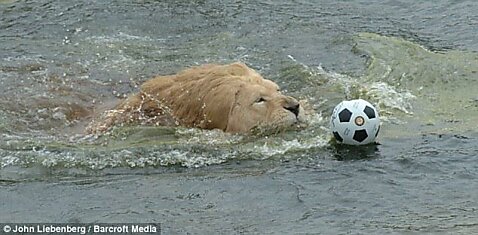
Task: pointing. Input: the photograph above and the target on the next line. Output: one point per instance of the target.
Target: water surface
(61, 62)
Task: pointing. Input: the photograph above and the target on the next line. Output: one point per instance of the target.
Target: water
(62, 62)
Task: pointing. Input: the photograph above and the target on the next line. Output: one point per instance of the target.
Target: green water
(444, 83)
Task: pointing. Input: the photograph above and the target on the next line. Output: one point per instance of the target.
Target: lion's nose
(293, 106)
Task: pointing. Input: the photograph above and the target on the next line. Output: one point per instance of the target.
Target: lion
(233, 98)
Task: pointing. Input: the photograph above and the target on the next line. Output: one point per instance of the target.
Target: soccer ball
(355, 122)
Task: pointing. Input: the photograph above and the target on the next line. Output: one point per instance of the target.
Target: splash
(387, 98)
(416, 90)
(444, 83)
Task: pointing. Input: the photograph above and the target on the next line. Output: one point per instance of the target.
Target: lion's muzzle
(291, 105)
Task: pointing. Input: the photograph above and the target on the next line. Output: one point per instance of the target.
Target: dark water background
(62, 61)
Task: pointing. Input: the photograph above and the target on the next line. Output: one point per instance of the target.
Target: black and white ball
(355, 122)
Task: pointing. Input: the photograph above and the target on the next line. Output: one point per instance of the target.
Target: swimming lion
(233, 98)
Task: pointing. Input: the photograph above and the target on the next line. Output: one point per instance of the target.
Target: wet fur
(208, 97)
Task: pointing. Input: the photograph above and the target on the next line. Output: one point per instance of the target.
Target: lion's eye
(260, 100)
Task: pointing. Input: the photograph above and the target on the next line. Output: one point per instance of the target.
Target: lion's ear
(237, 121)
(218, 105)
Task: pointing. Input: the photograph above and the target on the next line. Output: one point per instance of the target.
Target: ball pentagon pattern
(355, 122)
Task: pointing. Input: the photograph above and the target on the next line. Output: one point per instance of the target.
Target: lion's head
(233, 98)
